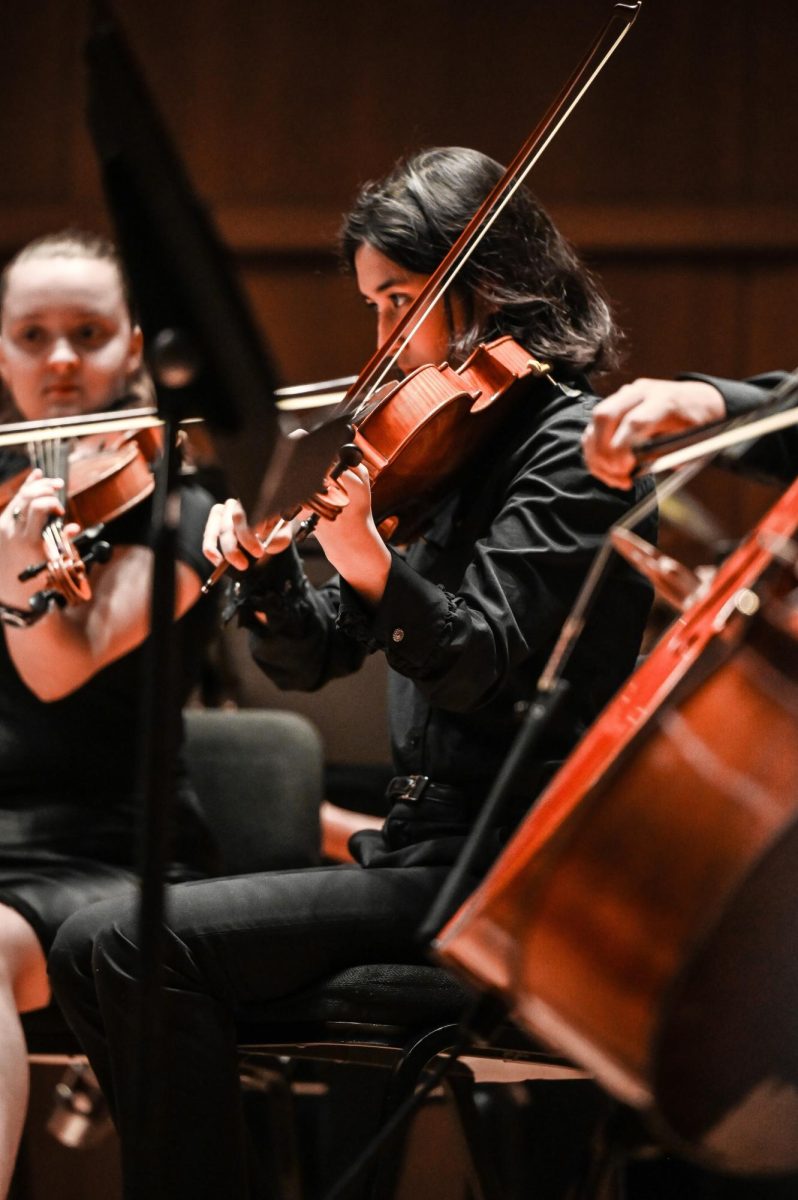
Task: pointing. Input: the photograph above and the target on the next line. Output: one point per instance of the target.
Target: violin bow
(684, 464)
(704, 441)
(19, 433)
(382, 362)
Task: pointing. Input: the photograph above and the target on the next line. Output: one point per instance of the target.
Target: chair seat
(407, 995)
(375, 1013)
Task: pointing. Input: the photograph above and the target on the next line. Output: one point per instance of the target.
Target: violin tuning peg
(31, 572)
(350, 455)
(100, 552)
(41, 602)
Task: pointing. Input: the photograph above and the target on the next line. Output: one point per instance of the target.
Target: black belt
(414, 788)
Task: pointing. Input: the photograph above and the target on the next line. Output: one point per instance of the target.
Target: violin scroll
(66, 566)
(350, 455)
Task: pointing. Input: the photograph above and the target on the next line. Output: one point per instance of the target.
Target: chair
(402, 1019)
(258, 775)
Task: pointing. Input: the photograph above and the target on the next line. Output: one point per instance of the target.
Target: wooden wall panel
(40, 103)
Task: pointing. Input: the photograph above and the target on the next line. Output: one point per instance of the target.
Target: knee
(84, 940)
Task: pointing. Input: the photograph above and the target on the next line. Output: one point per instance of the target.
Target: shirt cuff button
(398, 635)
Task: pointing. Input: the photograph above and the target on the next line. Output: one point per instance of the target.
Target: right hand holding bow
(639, 411)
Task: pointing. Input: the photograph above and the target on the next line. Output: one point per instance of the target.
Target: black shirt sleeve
(773, 457)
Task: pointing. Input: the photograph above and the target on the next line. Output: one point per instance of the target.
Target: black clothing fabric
(469, 616)
(774, 456)
(232, 946)
(69, 769)
(471, 612)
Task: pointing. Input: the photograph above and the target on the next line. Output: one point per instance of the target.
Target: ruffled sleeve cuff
(411, 623)
(273, 590)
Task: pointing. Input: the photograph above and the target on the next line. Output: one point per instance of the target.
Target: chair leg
(405, 1078)
(280, 1126)
(483, 1179)
(617, 1138)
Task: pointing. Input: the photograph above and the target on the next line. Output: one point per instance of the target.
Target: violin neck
(52, 457)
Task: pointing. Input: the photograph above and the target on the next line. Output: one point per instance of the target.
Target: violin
(421, 433)
(105, 475)
(411, 439)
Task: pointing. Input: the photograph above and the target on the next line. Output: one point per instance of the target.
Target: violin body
(643, 918)
(105, 477)
(422, 433)
(106, 480)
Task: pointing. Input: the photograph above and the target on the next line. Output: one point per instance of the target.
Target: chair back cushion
(258, 776)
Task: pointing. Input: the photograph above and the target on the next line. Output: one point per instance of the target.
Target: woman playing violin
(466, 618)
(70, 689)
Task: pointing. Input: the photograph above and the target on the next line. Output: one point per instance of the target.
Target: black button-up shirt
(471, 612)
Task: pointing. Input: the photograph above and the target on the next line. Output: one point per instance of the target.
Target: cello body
(643, 919)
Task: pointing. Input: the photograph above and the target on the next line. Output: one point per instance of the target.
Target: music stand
(207, 359)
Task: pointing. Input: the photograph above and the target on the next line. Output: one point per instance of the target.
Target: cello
(642, 919)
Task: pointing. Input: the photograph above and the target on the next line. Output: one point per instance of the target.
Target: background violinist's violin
(105, 475)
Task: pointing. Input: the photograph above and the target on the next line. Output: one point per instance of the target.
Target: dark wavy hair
(523, 279)
(76, 243)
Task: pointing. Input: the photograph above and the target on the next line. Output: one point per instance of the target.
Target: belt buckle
(409, 788)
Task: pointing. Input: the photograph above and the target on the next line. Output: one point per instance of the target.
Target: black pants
(232, 946)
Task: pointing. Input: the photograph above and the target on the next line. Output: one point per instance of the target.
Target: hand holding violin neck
(323, 504)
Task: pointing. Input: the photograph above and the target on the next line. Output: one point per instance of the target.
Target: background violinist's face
(389, 289)
(67, 344)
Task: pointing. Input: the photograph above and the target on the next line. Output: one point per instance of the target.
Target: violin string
(51, 457)
(506, 189)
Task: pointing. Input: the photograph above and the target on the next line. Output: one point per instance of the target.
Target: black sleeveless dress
(69, 770)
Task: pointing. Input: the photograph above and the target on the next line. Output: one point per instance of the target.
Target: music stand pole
(159, 744)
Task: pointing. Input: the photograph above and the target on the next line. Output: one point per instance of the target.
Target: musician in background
(651, 408)
(71, 681)
(466, 618)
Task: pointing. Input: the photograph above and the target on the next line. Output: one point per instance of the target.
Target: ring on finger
(16, 513)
